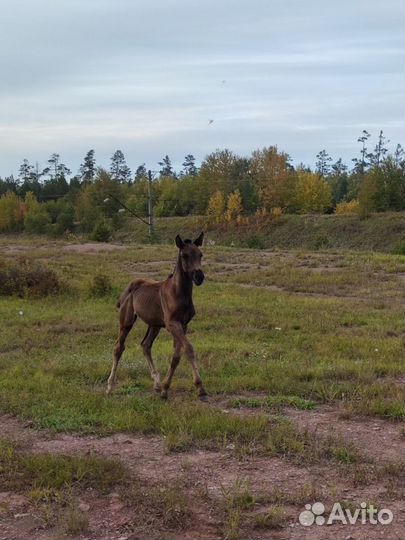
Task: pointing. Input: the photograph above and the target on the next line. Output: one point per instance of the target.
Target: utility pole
(150, 205)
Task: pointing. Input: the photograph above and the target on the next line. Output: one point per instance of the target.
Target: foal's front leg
(181, 341)
(167, 381)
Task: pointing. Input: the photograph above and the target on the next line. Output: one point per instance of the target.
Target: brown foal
(162, 304)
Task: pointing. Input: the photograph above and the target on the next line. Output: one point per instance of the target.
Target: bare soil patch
(203, 475)
(92, 247)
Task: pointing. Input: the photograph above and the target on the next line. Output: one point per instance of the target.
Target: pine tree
(26, 172)
(189, 168)
(380, 150)
(323, 163)
(166, 167)
(141, 173)
(87, 169)
(399, 156)
(56, 170)
(119, 170)
(360, 165)
(338, 181)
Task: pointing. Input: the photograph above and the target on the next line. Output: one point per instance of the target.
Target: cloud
(146, 77)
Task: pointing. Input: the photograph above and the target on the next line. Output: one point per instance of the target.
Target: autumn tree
(234, 206)
(312, 193)
(273, 176)
(216, 206)
(368, 194)
(217, 171)
(11, 216)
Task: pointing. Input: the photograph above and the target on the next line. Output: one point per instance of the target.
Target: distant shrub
(261, 215)
(350, 207)
(399, 249)
(27, 278)
(65, 221)
(101, 232)
(321, 242)
(276, 212)
(36, 218)
(36, 222)
(255, 242)
(100, 285)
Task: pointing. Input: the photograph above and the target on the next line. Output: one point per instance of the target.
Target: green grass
(342, 347)
(272, 402)
(20, 470)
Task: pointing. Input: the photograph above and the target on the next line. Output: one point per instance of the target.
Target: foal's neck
(182, 279)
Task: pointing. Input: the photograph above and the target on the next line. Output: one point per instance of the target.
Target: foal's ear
(179, 242)
(198, 241)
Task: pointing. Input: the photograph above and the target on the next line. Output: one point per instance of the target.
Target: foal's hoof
(108, 391)
(203, 398)
(163, 394)
(157, 390)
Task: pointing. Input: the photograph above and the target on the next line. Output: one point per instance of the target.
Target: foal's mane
(186, 241)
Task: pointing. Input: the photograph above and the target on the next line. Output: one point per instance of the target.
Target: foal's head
(190, 257)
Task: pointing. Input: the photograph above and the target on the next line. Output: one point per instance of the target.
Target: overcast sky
(147, 76)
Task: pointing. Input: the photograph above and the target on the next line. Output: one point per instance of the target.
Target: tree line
(225, 187)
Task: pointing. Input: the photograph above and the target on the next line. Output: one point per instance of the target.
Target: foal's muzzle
(198, 277)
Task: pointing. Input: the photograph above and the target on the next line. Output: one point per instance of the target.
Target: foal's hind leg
(147, 342)
(127, 320)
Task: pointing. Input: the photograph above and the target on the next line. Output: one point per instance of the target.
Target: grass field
(280, 336)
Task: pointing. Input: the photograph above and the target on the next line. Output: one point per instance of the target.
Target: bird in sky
(210, 122)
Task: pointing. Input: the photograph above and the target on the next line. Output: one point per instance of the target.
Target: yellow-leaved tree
(216, 206)
(312, 193)
(273, 177)
(11, 217)
(234, 207)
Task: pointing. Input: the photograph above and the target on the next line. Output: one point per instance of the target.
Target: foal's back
(144, 295)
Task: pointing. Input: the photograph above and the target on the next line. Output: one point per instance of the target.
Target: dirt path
(205, 476)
